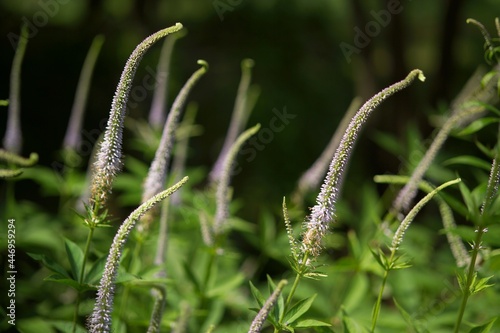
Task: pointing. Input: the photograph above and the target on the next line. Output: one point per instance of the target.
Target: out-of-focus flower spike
(13, 139)
(311, 179)
(222, 194)
(239, 118)
(72, 138)
(157, 114)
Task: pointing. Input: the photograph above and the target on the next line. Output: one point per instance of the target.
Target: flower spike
(108, 162)
(323, 213)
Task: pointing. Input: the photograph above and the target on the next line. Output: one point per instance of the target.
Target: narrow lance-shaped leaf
(100, 320)
(12, 140)
(108, 162)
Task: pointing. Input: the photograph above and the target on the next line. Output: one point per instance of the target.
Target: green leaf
(257, 295)
(485, 328)
(298, 309)
(95, 273)
(478, 285)
(279, 307)
(358, 290)
(487, 77)
(310, 323)
(69, 282)
(75, 257)
(351, 325)
(477, 125)
(192, 277)
(380, 258)
(468, 160)
(469, 201)
(406, 316)
(224, 287)
(50, 264)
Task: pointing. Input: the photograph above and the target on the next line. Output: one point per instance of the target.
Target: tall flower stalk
(100, 320)
(157, 114)
(469, 284)
(461, 114)
(72, 137)
(108, 162)
(311, 179)
(242, 107)
(108, 157)
(13, 140)
(155, 180)
(392, 263)
(260, 319)
(322, 215)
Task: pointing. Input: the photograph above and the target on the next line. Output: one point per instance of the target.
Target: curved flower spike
(222, 210)
(155, 180)
(13, 140)
(260, 319)
(239, 117)
(100, 320)
(323, 213)
(398, 236)
(18, 160)
(108, 162)
(72, 139)
(157, 174)
(157, 113)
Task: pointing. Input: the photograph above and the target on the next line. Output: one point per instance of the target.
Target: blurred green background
(299, 65)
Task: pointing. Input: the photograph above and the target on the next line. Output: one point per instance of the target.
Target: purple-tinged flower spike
(100, 320)
(311, 179)
(155, 180)
(261, 317)
(108, 162)
(469, 105)
(323, 213)
(72, 138)
(13, 139)
(243, 106)
(157, 114)
(222, 192)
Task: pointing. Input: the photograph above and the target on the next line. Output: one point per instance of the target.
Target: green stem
(300, 274)
(82, 274)
(376, 308)
(470, 277)
(206, 278)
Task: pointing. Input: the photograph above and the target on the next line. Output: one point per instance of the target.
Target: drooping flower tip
(203, 63)
(247, 63)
